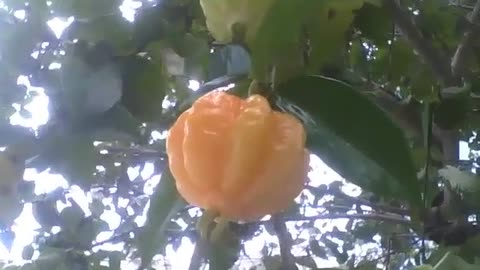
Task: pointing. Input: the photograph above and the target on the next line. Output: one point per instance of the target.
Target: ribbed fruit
(237, 157)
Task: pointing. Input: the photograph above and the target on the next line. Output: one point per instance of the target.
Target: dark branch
(382, 217)
(406, 115)
(460, 59)
(437, 61)
(285, 241)
(197, 256)
(136, 151)
(466, 7)
(114, 239)
(384, 208)
(375, 216)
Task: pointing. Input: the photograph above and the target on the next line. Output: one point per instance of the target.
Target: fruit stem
(204, 223)
(258, 88)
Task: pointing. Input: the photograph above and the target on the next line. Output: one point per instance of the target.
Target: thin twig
(466, 7)
(385, 208)
(438, 62)
(375, 216)
(197, 256)
(116, 238)
(134, 151)
(460, 59)
(389, 254)
(390, 54)
(285, 241)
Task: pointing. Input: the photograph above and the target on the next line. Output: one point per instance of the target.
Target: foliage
(385, 93)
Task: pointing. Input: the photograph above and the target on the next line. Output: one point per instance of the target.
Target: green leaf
(318, 250)
(196, 66)
(10, 91)
(27, 252)
(189, 46)
(117, 124)
(164, 203)
(88, 91)
(353, 136)
(454, 262)
(466, 182)
(374, 22)
(18, 42)
(437, 255)
(51, 259)
(222, 256)
(114, 260)
(424, 267)
(96, 207)
(45, 213)
(113, 28)
(10, 209)
(71, 217)
(15, 267)
(223, 16)
(14, 4)
(27, 266)
(149, 25)
(365, 232)
(14, 134)
(396, 62)
(329, 21)
(74, 94)
(307, 261)
(73, 156)
(423, 86)
(104, 89)
(452, 111)
(272, 262)
(85, 9)
(100, 267)
(468, 252)
(367, 265)
(86, 232)
(463, 180)
(145, 85)
(268, 43)
(326, 24)
(440, 20)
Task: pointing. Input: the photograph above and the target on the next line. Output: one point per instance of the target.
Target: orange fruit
(237, 157)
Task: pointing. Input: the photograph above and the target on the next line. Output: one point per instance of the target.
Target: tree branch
(385, 208)
(461, 6)
(114, 239)
(460, 59)
(405, 115)
(375, 216)
(438, 62)
(197, 256)
(136, 151)
(285, 241)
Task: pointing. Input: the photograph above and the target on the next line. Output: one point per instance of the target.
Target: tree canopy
(387, 90)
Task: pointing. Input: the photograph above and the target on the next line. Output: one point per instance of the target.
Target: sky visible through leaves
(26, 225)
